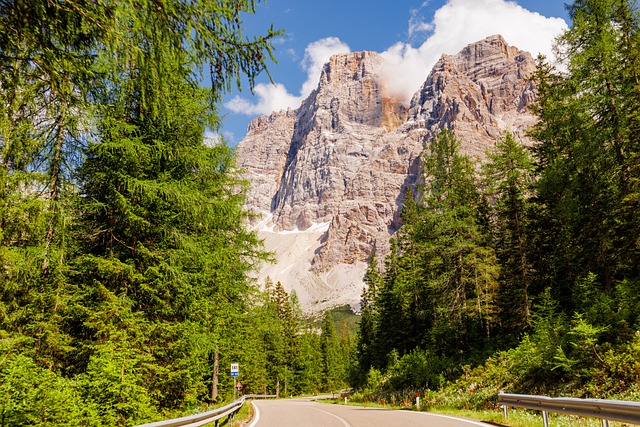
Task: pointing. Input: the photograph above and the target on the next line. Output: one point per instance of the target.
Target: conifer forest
(125, 255)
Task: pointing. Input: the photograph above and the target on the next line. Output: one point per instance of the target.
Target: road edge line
(256, 415)
(344, 422)
(476, 423)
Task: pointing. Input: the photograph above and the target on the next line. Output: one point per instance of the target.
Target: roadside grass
(244, 415)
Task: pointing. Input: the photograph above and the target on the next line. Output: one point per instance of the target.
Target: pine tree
(365, 341)
(330, 351)
(588, 134)
(45, 76)
(346, 347)
(410, 278)
(389, 322)
(457, 272)
(508, 176)
(309, 376)
(290, 327)
(155, 276)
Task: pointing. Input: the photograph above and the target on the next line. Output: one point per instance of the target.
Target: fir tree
(588, 134)
(330, 351)
(365, 341)
(508, 176)
(389, 316)
(103, 135)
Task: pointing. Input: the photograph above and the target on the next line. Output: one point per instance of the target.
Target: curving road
(306, 413)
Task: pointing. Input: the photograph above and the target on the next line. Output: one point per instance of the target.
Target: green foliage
(447, 274)
(330, 351)
(35, 396)
(434, 306)
(508, 178)
(124, 255)
(415, 370)
(365, 346)
(113, 383)
(285, 354)
(524, 281)
(587, 135)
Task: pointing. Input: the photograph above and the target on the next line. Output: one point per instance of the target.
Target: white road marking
(256, 415)
(475, 423)
(342, 420)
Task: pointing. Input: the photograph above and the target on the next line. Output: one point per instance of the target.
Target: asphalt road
(306, 413)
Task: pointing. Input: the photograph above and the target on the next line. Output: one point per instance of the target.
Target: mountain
(329, 177)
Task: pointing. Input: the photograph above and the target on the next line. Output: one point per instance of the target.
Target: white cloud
(212, 138)
(417, 24)
(274, 97)
(455, 25)
(271, 97)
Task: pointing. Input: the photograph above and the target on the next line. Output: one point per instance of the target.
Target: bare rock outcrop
(479, 93)
(262, 155)
(330, 176)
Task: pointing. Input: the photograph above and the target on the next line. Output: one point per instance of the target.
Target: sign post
(235, 370)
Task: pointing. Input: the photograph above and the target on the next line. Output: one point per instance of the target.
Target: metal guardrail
(342, 393)
(201, 419)
(606, 410)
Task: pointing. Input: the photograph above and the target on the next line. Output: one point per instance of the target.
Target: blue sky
(411, 34)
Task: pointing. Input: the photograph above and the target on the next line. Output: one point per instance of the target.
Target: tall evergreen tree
(365, 344)
(46, 73)
(156, 276)
(330, 351)
(588, 133)
(508, 176)
(389, 316)
(409, 281)
(289, 332)
(454, 270)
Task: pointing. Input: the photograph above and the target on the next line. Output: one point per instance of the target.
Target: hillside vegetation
(523, 276)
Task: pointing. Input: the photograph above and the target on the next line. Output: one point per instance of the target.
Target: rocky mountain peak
(479, 93)
(329, 177)
(350, 92)
(346, 67)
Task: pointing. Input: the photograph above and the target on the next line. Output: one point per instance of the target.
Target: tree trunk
(54, 187)
(214, 377)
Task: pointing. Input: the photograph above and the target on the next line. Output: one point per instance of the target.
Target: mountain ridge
(338, 166)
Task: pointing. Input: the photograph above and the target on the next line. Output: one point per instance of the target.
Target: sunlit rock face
(329, 177)
(478, 93)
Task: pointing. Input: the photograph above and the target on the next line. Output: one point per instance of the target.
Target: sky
(410, 34)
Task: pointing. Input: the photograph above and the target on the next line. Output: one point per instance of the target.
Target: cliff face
(329, 177)
(478, 93)
(263, 154)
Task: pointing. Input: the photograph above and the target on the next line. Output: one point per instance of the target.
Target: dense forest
(125, 256)
(523, 275)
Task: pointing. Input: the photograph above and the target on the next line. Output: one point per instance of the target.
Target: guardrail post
(505, 409)
(605, 410)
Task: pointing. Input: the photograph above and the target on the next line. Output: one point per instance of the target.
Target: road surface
(306, 413)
